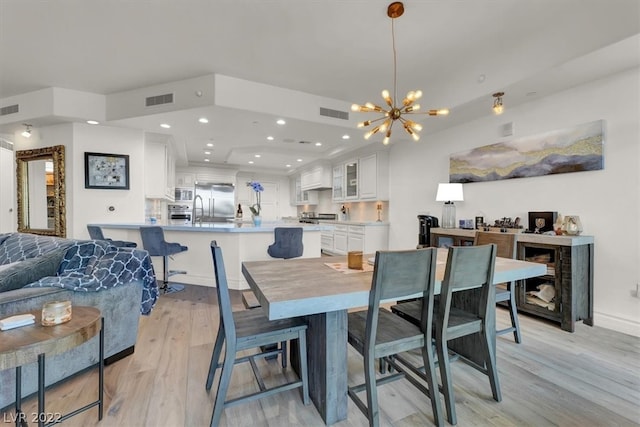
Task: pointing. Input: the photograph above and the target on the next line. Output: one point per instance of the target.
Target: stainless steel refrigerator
(218, 202)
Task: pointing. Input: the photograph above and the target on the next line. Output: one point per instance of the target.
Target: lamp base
(448, 215)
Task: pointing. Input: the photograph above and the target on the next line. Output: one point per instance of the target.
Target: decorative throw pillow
(31, 270)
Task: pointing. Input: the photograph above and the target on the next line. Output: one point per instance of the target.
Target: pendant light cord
(395, 82)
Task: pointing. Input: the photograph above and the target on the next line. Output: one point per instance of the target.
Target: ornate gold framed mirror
(41, 191)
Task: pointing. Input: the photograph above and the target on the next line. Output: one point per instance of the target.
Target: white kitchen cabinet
(159, 171)
(338, 183)
(351, 180)
(365, 178)
(368, 177)
(185, 180)
(340, 241)
(304, 197)
(318, 177)
(355, 238)
(358, 237)
(326, 241)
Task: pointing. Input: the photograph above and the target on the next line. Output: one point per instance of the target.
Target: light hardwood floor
(554, 378)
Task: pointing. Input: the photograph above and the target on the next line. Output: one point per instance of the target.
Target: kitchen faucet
(194, 216)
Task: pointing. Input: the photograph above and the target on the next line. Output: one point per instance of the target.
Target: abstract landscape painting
(574, 149)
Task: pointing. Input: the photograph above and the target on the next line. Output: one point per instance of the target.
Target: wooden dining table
(309, 287)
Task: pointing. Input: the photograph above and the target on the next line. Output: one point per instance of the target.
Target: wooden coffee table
(28, 344)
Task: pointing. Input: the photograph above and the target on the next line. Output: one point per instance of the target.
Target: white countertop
(221, 227)
(367, 223)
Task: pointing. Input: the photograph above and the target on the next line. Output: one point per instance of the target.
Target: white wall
(8, 220)
(92, 205)
(607, 201)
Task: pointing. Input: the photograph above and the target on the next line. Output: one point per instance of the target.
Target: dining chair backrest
(506, 242)
(401, 274)
(222, 291)
(287, 244)
(468, 267)
(95, 232)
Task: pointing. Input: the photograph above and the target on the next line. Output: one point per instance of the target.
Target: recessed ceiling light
(250, 162)
(209, 144)
(258, 156)
(318, 144)
(281, 122)
(93, 122)
(207, 152)
(206, 160)
(165, 125)
(203, 120)
(288, 166)
(298, 160)
(270, 138)
(345, 136)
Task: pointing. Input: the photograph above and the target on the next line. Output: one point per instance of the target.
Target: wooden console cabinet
(569, 261)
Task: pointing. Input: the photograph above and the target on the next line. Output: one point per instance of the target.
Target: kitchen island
(239, 242)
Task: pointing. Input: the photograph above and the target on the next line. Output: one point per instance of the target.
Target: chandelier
(395, 111)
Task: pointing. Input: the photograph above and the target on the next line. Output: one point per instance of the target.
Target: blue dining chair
(379, 334)
(246, 330)
(469, 269)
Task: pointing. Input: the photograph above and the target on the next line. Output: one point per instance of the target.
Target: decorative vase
(257, 220)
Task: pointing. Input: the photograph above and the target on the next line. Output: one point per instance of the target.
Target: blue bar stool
(95, 233)
(154, 243)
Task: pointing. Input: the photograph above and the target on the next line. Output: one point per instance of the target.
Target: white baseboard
(625, 326)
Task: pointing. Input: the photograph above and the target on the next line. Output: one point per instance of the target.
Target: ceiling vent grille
(159, 100)
(9, 109)
(6, 144)
(336, 114)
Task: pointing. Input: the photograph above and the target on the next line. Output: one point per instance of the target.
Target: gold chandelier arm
(368, 122)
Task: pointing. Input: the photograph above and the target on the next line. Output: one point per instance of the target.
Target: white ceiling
(338, 49)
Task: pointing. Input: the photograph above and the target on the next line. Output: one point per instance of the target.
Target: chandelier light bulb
(355, 107)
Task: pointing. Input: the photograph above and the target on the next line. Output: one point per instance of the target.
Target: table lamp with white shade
(449, 193)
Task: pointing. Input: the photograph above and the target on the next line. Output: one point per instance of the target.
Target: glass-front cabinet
(351, 181)
(338, 183)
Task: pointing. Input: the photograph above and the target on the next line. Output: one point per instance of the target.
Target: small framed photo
(106, 171)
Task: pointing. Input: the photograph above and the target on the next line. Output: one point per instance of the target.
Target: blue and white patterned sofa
(38, 269)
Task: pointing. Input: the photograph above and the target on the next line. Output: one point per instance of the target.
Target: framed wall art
(575, 149)
(106, 171)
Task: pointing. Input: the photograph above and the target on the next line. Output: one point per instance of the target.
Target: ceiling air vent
(159, 100)
(9, 109)
(336, 114)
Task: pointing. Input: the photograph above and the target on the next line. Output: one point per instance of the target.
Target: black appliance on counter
(313, 218)
(425, 224)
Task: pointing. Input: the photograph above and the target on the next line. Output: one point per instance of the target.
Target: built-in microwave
(184, 194)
